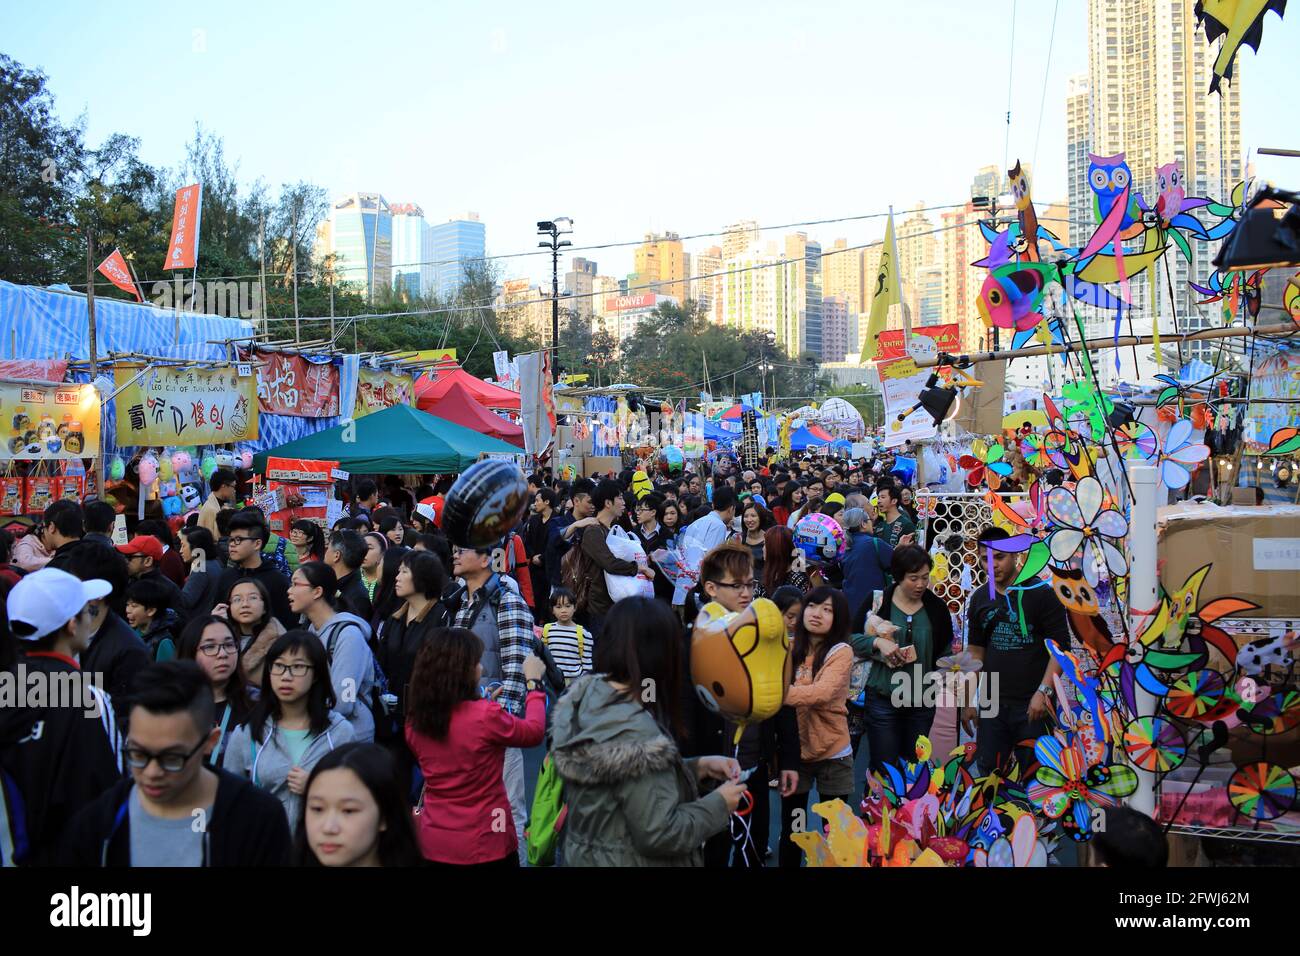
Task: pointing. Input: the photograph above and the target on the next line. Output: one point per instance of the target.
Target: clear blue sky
(626, 117)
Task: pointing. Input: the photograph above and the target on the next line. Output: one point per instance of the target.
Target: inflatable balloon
(181, 461)
(820, 538)
(740, 663)
(165, 469)
(569, 472)
(148, 470)
(246, 460)
(641, 484)
(671, 461)
(208, 466)
(226, 458)
(486, 502)
(116, 469)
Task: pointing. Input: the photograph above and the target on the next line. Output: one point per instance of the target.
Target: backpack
(546, 817)
(576, 573)
(380, 686)
(582, 639)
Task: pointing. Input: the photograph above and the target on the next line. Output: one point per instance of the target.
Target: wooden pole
(293, 241)
(90, 300)
(1122, 342)
(261, 255)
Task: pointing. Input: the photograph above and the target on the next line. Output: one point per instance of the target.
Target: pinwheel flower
(1065, 788)
(985, 464)
(1034, 450)
(963, 663)
(1080, 518)
(1180, 457)
(1137, 440)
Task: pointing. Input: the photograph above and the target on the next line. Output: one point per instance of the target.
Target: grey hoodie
(352, 671)
(267, 762)
(632, 799)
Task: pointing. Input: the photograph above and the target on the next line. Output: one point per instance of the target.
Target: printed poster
(173, 406)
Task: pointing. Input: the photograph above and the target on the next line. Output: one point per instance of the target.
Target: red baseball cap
(143, 544)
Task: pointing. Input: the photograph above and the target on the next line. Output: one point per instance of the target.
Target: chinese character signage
(171, 406)
(291, 385)
(947, 338)
(183, 250)
(378, 390)
(49, 423)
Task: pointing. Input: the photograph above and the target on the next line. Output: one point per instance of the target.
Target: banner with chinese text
(183, 249)
(169, 406)
(378, 390)
(49, 424)
(292, 385)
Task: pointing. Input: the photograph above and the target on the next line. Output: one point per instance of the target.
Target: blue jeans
(892, 731)
(998, 738)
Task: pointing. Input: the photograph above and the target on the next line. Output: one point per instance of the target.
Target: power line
(1047, 72)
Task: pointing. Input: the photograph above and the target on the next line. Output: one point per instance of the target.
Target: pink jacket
(466, 816)
(29, 554)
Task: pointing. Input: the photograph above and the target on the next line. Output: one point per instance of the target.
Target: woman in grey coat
(292, 726)
(632, 800)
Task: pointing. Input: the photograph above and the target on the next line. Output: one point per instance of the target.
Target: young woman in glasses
(293, 725)
(212, 643)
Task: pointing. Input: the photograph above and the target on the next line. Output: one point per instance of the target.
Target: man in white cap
(60, 749)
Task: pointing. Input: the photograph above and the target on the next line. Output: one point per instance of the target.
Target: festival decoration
(116, 469)
(671, 461)
(1284, 441)
(985, 464)
(486, 502)
(148, 470)
(208, 465)
(1238, 22)
(1137, 441)
(1067, 788)
(1026, 218)
(1080, 519)
(820, 538)
(740, 663)
(641, 484)
(1262, 791)
(1180, 456)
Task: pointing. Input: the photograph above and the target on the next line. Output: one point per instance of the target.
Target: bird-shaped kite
(1238, 22)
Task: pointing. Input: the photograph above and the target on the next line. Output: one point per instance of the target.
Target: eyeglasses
(234, 540)
(216, 650)
(245, 599)
(297, 669)
(737, 587)
(139, 758)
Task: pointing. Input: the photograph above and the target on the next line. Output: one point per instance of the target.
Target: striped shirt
(572, 657)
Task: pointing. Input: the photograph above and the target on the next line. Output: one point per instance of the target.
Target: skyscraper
(918, 249)
(758, 293)
(803, 288)
(837, 328)
(410, 236)
(842, 275)
(457, 245)
(578, 284)
(661, 266)
(962, 243)
(1148, 70)
(1078, 144)
(360, 238)
(739, 237)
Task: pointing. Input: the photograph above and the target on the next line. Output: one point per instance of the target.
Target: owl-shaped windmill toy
(1027, 219)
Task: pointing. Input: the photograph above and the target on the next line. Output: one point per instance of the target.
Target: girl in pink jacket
(459, 739)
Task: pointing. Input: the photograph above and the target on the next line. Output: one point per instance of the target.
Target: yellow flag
(886, 292)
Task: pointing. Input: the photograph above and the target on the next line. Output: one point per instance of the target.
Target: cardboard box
(598, 465)
(1253, 553)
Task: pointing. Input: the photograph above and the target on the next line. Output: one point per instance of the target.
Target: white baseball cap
(43, 601)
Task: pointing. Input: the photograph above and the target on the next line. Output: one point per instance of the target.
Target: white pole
(1142, 601)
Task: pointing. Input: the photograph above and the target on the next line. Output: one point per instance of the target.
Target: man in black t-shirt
(1007, 633)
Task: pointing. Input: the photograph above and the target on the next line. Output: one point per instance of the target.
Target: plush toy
(165, 469)
(740, 663)
(641, 484)
(208, 465)
(181, 462)
(148, 470)
(191, 497)
(171, 499)
(116, 469)
(246, 460)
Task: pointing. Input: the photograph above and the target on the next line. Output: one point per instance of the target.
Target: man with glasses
(727, 577)
(144, 557)
(175, 811)
(247, 537)
(60, 751)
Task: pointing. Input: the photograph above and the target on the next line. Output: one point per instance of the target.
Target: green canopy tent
(399, 440)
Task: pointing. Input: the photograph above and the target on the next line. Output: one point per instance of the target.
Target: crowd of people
(364, 695)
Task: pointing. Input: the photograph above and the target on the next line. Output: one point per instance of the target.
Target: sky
(628, 118)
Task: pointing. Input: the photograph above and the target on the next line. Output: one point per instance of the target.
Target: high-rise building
(963, 243)
(803, 287)
(739, 237)
(842, 275)
(578, 284)
(870, 272)
(525, 309)
(661, 266)
(1078, 144)
(755, 295)
(410, 236)
(705, 267)
(458, 244)
(918, 249)
(838, 328)
(929, 295)
(1148, 69)
(359, 237)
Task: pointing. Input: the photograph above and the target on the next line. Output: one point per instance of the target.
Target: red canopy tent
(459, 407)
(429, 392)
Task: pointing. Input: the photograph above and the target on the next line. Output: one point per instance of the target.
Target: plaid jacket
(514, 634)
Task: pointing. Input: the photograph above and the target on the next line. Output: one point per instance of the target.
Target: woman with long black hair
(632, 800)
(212, 643)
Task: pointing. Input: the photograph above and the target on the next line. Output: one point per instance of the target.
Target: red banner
(33, 370)
(291, 385)
(115, 269)
(946, 337)
(183, 250)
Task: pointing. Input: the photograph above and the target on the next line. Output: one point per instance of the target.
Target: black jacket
(354, 598)
(277, 585)
(397, 644)
(935, 609)
(247, 828)
(173, 592)
(200, 593)
(55, 760)
(116, 652)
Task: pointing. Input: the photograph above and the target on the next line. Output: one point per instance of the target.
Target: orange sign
(183, 250)
(115, 269)
(946, 337)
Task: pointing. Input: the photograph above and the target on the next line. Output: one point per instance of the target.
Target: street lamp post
(560, 226)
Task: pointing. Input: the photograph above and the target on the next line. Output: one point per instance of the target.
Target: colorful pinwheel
(1137, 440)
(1284, 441)
(1262, 791)
(1170, 393)
(985, 464)
(1155, 744)
(1034, 450)
(1083, 401)
(1080, 518)
(1180, 456)
(1196, 695)
(1065, 788)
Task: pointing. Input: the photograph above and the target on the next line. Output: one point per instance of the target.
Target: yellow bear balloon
(740, 662)
(641, 484)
